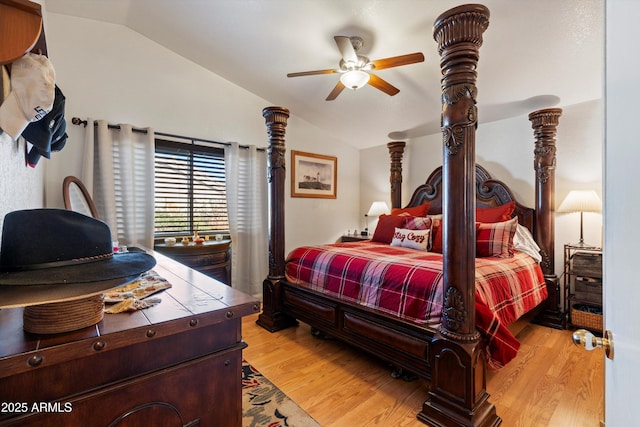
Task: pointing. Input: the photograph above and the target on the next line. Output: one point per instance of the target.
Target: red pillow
(387, 225)
(495, 239)
(436, 239)
(496, 214)
(414, 211)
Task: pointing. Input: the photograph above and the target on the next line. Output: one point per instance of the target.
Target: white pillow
(414, 239)
(523, 241)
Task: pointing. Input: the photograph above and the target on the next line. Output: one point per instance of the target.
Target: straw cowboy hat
(53, 255)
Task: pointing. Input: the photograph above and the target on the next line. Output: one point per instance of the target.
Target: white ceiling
(536, 54)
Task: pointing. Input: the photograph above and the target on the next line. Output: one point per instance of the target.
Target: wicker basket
(580, 316)
(58, 317)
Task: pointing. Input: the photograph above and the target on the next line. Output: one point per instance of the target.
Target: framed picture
(313, 175)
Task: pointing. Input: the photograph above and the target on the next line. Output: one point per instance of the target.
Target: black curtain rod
(78, 121)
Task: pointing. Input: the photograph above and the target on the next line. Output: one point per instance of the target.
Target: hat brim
(21, 296)
(119, 266)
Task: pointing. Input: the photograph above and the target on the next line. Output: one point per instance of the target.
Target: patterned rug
(264, 405)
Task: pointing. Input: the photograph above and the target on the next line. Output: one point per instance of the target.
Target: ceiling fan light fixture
(354, 79)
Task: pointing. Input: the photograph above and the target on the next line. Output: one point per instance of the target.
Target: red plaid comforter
(407, 283)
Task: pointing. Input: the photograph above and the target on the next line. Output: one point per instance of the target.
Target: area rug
(265, 405)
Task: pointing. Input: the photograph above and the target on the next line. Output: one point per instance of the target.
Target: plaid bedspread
(407, 283)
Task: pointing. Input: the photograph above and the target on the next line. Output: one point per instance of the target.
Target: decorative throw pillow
(496, 214)
(386, 227)
(414, 211)
(436, 234)
(418, 223)
(414, 239)
(523, 241)
(496, 239)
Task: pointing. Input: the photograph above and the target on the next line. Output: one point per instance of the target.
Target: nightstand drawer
(587, 264)
(588, 290)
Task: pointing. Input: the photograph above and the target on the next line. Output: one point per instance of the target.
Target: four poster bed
(449, 332)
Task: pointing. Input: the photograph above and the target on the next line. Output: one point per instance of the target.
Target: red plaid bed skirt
(407, 283)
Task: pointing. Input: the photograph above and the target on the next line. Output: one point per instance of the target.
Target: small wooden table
(174, 364)
(354, 238)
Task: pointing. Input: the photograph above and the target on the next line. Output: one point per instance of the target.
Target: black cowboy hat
(51, 255)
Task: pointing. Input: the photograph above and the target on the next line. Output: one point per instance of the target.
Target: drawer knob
(35, 360)
(151, 333)
(193, 322)
(229, 314)
(99, 345)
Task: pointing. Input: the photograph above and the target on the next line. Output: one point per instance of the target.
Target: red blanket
(407, 283)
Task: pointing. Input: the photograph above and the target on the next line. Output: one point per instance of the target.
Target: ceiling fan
(355, 70)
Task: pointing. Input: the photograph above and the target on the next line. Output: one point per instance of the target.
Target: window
(190, 189)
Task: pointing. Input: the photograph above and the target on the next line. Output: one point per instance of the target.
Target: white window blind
(190, 189)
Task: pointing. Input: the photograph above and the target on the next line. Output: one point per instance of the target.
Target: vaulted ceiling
(536, 54)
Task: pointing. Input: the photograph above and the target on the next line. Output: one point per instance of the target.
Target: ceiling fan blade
(312, 73)
(336, 91)
(346, 49)
(396, 61)
(382, 85)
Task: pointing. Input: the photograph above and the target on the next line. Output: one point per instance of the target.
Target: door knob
(584, 338)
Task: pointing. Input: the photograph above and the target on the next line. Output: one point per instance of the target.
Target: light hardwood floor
(550, 383)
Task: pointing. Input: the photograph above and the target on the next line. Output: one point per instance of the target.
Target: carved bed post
(544, 124)
(457, 395)
(396, 150)
(271, 318)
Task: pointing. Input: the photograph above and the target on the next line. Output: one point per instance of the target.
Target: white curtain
(247, 203)
(118, 168)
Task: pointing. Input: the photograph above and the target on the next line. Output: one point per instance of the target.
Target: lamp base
(582, 245)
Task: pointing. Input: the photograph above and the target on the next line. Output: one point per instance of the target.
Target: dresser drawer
(203, 392)
(200, 260)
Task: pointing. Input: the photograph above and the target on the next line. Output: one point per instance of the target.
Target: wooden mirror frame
(66, 189)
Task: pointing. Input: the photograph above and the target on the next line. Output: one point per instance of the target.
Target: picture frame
(313, 175)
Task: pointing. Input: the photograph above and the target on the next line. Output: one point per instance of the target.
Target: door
(622, 210)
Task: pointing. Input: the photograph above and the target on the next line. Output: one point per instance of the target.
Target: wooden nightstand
(352, 238)
(583, 286)
(212, 257)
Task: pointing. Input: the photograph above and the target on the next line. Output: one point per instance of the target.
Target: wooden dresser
(175, 364)
(212, 257)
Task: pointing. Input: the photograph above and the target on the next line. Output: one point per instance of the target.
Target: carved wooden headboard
(489, 193)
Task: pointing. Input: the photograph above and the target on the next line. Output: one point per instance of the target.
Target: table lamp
(377, 208)
(581, 201)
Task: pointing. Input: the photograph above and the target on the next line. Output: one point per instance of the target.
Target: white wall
(505, 149)
(109, 72)
(20, 185)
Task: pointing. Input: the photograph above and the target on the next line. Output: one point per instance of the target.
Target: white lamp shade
(581, 201)
(378, 208)
(354, 79)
